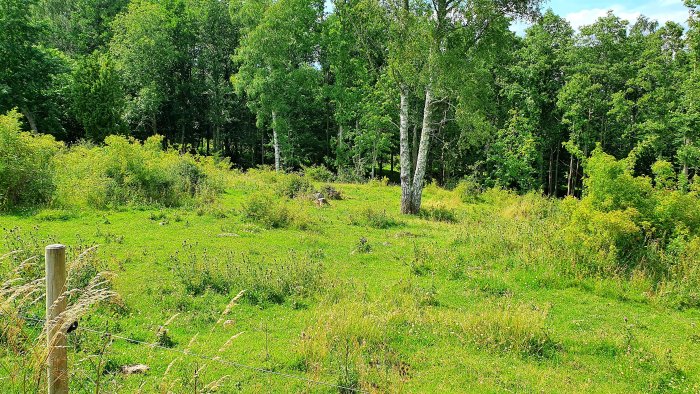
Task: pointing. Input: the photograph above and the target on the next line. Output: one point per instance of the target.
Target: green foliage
(331, 193)
(664, 175)
(267, 210)
(26, 165)
(468, 191)
(97, 99)
(293, 186)
(124, 172)
(318, 173)
(512, 157)
(621, 217)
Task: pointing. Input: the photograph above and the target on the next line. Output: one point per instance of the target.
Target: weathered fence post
(57, 359)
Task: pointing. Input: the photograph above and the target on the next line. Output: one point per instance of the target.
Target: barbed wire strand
(203, 356)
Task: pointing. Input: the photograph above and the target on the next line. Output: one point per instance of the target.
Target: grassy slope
(597, 350)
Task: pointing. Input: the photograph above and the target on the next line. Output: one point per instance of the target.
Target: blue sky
(580, 13)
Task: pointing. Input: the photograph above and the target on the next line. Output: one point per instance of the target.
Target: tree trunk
(275, 141)
(154, 124)
(392, 162)
(424, 147)
(576, 176)
(414, 147)
(571, 176)
(549, 173)
(30, 118)
(686, 173)
(405, 156)
(556, 174)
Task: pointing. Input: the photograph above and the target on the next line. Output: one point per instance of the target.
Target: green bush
(469, 191)
(26, 165)
(623, 221)
(331, 193)
(682, 287)
(292, 186)
(267, 210)
(124, 171)
(318, 173)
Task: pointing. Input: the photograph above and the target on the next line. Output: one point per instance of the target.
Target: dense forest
(353, 85)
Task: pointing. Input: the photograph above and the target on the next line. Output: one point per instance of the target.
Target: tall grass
(22, 293)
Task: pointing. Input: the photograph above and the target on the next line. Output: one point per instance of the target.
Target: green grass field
(473, 298)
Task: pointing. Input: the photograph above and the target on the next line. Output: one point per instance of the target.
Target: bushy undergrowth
(35, 170)
(636, 231)
(318, 173)
(124, 172)
(624, 222)
(26, 165)
(292, 186)
(272, 211)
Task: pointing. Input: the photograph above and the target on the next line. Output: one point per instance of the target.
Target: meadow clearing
(485, 295)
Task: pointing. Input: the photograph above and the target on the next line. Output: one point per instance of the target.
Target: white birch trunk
(423, 148)
(275, 141)
(405, 156)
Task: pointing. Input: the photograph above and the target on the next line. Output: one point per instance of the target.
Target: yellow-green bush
(272, 211)
(26, 166)
(682, 287)
(124, 171)
(623, 223)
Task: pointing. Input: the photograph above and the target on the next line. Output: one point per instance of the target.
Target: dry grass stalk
(22, 290)
(228, 308)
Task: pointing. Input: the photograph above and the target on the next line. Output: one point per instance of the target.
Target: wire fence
(36, 320)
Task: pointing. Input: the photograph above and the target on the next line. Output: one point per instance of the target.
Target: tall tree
(28, 70)
(97, 99)
(79, 27)
(450, 29)
(277, 60)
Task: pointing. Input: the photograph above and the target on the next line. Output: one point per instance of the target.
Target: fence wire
(39, 321)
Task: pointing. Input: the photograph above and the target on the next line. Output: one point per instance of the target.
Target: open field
(475, 297)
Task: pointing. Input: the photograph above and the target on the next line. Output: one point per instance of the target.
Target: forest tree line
(355, 84)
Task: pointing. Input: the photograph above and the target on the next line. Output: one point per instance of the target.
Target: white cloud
(661, 11)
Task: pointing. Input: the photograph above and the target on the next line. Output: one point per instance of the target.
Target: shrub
(318, 173)
(267, 210)
(468, 191)
(331, 193)
(292, 186)
(124, 171)
(624, 221)
(610, 185)
(26, 165)
(682, 287)
(664, 175)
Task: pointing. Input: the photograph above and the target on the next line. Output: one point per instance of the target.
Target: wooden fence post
(57, 359)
